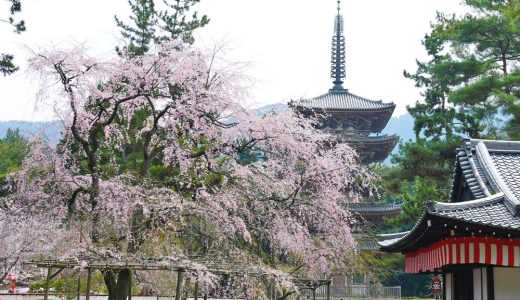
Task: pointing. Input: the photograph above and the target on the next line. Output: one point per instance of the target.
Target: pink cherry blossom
(282, 183)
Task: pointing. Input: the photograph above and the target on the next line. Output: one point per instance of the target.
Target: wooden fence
(358, 292)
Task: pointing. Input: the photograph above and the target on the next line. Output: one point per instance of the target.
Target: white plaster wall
(507, 283)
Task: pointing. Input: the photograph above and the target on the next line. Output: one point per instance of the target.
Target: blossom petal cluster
(210, 180)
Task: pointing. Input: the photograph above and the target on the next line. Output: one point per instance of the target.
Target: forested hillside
(51, 129)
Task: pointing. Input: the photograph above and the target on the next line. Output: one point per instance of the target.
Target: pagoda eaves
(350, 117)
(372, 148)
(345, 101)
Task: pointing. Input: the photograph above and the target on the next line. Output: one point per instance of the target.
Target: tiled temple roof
(344, 100)
(374, 148)
(371, 139)
(491, 172)
(374, 244)
(390, 238)
(373, 208)
(471, 170)
(367, 245)
(490, 211)
(508, 166)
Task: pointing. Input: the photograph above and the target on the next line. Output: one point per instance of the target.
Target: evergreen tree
(480, 66)
(176, 25)
(415, 195)
(142, 33)
(470, 82)
(7, 65)
(13, 149)
(152, 25)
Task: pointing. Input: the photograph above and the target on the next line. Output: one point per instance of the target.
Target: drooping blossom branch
(208, 179)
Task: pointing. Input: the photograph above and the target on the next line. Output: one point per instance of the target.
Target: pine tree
(13, 149)
(142, 33)
(176, 25)
(153, 26)
(7, 65)
(480, 66)
(470, 82)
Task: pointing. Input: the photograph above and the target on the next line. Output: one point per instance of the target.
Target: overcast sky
(286, 42)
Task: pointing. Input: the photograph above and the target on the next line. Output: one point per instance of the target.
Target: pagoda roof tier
(485, 198)
(374, 209)
(372, 148)
(369, 242)
(345, 101)
(367, 246)
(341, 111)
(369, 139)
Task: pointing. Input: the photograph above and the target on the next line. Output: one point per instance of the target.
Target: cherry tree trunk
(118, 283)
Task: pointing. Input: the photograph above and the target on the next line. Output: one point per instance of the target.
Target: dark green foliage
(470, 82)
(7, 67)
(66, 283)
(154, 26)
(16, 7)
(176, 25)
(415, 195)
(422, 173)
(480, 65)
(13, 149)
(433, 159)
(472, 75)
(142, 33)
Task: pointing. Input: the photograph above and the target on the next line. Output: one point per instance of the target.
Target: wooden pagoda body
(473, 240)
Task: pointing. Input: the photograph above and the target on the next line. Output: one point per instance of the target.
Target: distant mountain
(262, 111)
(50, 129)
(401, 126)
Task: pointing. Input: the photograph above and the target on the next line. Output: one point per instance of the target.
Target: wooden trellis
(54, 267)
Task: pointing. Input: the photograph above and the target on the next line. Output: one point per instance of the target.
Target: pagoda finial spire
(337, 70)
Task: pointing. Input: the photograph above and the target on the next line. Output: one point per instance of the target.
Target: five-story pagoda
(359, 122)
(353, 119)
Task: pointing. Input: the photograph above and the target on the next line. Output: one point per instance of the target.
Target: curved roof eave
(343, 100)
(432, 211)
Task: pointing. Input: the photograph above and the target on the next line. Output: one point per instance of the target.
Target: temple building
(472, 240)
